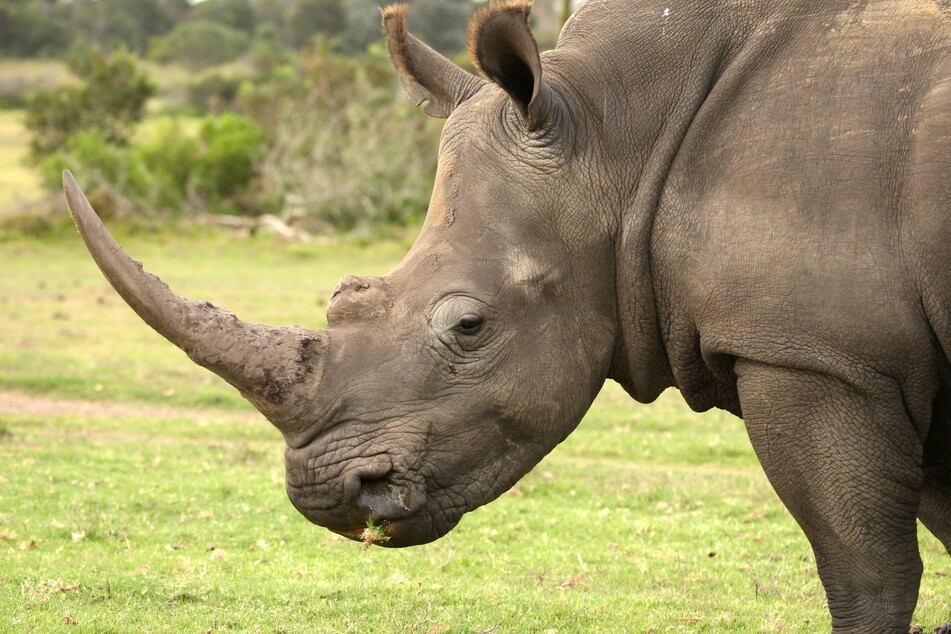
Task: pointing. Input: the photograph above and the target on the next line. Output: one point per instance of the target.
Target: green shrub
(114, 176)
(228, 157)
(169, 155)
(112, 164)
(171, 172)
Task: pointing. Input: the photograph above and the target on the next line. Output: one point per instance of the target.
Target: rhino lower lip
(352, 533)
(390, 532)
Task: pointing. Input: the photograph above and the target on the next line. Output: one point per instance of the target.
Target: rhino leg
(935, 510)
(846, 465)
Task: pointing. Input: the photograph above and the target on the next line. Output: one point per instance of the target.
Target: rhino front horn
(276, 369)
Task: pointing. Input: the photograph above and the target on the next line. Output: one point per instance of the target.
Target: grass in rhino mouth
(374, 534)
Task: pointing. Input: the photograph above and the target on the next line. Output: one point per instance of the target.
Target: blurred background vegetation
(220, 111)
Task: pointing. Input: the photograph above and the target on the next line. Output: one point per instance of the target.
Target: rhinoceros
(748, 201)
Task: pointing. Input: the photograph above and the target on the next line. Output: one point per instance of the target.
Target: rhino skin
(748, 201)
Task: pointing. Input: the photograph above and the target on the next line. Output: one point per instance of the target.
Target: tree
(311, 17)
(30, 29)
(110, 24)
(201, 44)
(441, 23)
(110, 101)
(363, 26)
(237, 14)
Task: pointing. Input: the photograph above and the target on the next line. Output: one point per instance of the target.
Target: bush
(343, 148)
(169, 154)
(170, 173)
(89, 128)
(114, 176)
(325, 138)
(228, 158)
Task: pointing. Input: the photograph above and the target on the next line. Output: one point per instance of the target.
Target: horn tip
(76, 201)
(70, 186)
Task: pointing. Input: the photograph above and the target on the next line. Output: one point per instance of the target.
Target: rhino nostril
(375, 486)
(381, 498)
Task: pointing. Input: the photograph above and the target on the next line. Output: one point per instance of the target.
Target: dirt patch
(24, 404)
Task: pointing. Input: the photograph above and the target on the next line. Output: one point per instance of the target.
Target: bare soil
(13, 403)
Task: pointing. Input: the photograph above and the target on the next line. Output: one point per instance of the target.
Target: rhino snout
(377, 492)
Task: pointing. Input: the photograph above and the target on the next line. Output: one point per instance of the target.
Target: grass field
(139, 493)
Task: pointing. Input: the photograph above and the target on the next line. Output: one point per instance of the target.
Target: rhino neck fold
(675, 57)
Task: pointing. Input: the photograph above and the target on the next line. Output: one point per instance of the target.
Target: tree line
(210, 32)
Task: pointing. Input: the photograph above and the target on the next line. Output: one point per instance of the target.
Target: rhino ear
(427, 77)
(502, 46)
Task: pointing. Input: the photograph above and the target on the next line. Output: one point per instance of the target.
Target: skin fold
(748, 201)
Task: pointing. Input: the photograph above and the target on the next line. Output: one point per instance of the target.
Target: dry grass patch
(19, 184)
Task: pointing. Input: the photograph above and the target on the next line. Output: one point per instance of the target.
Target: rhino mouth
(378, 494)
(411, 531)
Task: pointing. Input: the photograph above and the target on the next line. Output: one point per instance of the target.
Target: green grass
(160, 506)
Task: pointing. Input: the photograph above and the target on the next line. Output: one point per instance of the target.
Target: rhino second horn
(276, 369)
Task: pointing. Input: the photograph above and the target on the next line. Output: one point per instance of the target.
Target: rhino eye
(469, 325)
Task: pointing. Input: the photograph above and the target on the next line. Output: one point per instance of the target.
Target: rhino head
(437, 386)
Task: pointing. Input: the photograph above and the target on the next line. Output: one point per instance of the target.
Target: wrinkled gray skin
(750, 201)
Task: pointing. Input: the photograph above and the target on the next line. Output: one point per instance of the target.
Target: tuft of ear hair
(502, 47)
(478, 21)
(426, 76)
(394, 25)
